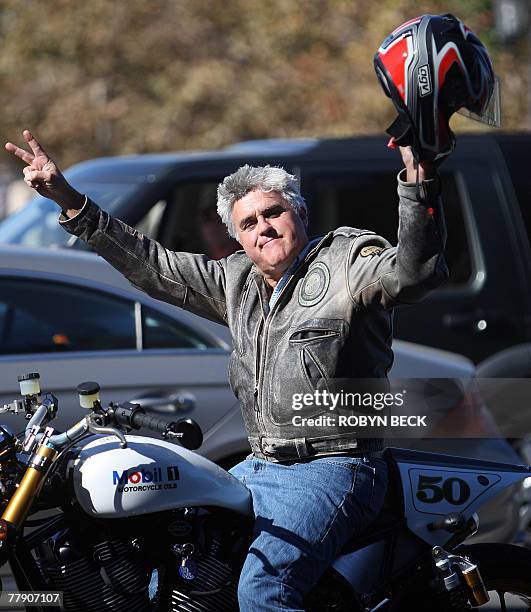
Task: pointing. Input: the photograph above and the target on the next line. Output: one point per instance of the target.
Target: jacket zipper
(240, 318)
(257, 357)
(258, 354)
(325, 334)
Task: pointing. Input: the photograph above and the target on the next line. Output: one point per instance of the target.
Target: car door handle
(181, 402)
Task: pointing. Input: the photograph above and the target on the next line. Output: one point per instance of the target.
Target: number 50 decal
(433, 489)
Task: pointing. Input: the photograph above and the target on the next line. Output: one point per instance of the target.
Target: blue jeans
(305, 512)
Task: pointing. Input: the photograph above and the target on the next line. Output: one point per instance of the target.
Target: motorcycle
(141, 523)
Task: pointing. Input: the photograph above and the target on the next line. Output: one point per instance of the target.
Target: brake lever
(101, 429)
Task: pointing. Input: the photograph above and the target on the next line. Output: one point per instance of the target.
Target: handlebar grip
(140, 420)
(133, 415)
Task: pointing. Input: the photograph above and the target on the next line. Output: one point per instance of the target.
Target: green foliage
(101, 77)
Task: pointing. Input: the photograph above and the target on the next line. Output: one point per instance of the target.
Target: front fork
(455, 574)
(27, 492)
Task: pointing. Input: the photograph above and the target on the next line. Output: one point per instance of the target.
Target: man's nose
(263, 224)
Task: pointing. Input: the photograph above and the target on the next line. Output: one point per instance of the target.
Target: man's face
(271, 233)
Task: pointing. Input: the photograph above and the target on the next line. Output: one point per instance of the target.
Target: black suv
(484, 308)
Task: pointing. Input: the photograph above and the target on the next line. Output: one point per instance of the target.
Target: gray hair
(258, 178)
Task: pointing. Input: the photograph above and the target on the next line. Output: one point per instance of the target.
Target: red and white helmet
(431, 67)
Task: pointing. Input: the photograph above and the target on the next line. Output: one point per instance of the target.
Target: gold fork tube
(29, 488)
(478, 592)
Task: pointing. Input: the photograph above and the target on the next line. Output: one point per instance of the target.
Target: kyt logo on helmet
(431, 67)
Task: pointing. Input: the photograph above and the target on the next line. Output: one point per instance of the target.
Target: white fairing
(432, 491)
(151, 475)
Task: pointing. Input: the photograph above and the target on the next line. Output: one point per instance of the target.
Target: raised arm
(190, 281)
(383, 276)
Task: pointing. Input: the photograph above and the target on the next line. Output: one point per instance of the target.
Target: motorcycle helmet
(431, 67)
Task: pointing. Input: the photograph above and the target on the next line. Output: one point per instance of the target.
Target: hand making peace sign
(43, 175)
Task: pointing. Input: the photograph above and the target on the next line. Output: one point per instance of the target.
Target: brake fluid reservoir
(29, 384)
(89, 393)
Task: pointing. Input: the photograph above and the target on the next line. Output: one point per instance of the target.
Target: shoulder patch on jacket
(371, 250)
(350, 232)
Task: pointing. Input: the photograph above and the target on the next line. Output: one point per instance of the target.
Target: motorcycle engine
(187, 559)
(205, 552)
(111, 575)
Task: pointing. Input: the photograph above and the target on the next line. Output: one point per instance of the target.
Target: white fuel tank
(150, 475)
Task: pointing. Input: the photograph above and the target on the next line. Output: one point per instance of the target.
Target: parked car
(484, 308)
(71, 317)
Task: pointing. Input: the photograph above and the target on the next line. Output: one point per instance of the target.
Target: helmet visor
(492, 113)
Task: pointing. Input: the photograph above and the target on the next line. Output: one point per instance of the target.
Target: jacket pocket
(306, 359)
(318, 342)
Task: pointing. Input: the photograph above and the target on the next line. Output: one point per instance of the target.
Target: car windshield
(36, 224)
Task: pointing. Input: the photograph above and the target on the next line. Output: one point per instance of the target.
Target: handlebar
(134, 416)
(153, 423)
(117, 419)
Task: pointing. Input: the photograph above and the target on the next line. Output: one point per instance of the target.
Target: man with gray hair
(302, 313)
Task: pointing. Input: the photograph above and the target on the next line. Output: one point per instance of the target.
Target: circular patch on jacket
(314, 285)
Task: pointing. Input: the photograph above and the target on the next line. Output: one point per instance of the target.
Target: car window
(161, 331)
(190, 221)
(49, 317)
(149, 225)
(369, 201)
(36, 224)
